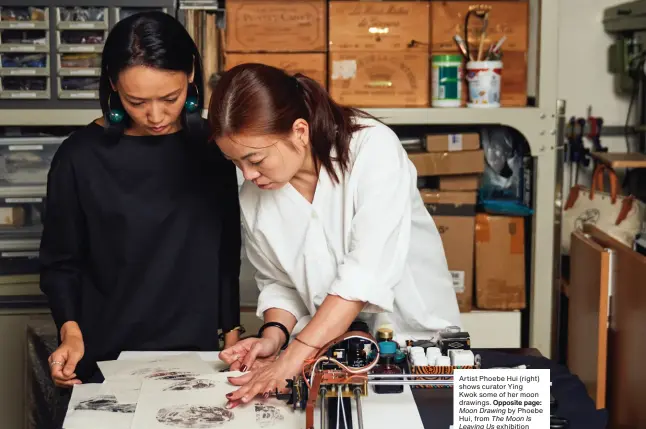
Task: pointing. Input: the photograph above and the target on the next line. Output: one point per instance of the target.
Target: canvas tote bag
(618, 216)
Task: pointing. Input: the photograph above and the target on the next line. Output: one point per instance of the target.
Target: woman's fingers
(246, 393)
(250, 358)
(269, 389)
(57, 361)
(241, 379)
(70, 365)
(230, 355)
(67, 383)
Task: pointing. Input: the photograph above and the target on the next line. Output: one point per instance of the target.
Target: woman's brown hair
(257, 99)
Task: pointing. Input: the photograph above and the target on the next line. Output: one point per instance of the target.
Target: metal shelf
(23, 194)
(532, 122)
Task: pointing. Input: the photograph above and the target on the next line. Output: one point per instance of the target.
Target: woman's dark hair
(259, 99)
(152, 39)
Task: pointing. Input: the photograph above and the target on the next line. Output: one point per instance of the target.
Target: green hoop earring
(115, 116)
(192, 101)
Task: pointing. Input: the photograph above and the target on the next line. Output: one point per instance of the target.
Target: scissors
(559, 422)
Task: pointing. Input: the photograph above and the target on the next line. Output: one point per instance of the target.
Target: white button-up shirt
(368, 238)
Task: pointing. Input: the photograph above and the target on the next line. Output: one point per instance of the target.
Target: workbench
(46, 404)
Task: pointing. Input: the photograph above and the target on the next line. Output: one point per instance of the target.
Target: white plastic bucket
(483, 80)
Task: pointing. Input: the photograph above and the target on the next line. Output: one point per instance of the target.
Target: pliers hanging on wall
(577, 154)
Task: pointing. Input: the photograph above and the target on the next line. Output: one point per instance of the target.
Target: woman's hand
(62, 363)
(264, 380)
(250, 353)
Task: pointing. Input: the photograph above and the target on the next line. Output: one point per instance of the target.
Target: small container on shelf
(24, 41)
(20, 231)
(79, 64)
(25, 161)
(26, 88)
(80, 40)
(78, 88)
(82, 18)
(19, 253)
(36, 64)
(24, 17)
(124, 12)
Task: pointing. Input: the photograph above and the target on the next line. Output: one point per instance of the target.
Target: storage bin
(24, 17)
(24, 41)
(82, 18)
(19, 87)
(80, 40)
(26, 161)
(78, 87)
(79, 64)
(36, 64)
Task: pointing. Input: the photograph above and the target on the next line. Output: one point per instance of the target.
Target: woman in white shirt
(333, 223)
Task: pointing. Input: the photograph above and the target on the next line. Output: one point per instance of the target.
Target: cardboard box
(380, 26)
(452, 142)
(464, 182)
(448, 163)
(276, 26)
(379, 79)
(454, 216)
(312, 65)
(500, 262)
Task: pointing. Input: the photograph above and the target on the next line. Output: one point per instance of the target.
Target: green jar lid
(444, 58)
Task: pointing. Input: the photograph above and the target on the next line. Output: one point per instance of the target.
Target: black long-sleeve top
(141, 243)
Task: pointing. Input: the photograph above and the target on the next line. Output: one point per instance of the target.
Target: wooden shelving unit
(621, 160)
(543, 128)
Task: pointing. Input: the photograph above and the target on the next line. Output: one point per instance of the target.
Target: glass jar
(387, 366)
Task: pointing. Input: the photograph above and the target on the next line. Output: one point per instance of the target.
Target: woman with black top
(141, 242)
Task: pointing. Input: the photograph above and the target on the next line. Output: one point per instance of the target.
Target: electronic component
(459, 340)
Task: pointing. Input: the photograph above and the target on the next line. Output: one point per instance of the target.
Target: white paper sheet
(123, 378)
(379, 411)
(91, 406)
(204, 407)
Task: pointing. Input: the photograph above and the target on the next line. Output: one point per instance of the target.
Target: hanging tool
(577, 154)
(594, 126)
(581, 154)
(482, 13)
(483, 34)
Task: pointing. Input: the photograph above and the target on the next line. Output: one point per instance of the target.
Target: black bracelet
(275, 325)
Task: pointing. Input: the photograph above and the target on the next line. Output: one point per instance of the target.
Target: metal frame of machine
(320, 385)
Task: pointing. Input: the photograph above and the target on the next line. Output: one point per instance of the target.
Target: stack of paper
(187, 391)
(180, 391)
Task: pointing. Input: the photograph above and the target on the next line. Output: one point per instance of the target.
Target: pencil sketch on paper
(196, 384)
(105, 403)
(194, 416)
(268, 415)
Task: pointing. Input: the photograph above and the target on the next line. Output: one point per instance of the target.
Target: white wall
(583, 78)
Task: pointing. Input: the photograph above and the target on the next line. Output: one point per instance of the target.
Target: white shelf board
(532, 122)
(24, 192)
(493, 329)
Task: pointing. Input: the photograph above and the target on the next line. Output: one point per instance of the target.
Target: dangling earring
(114, 115)
(192, 100)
